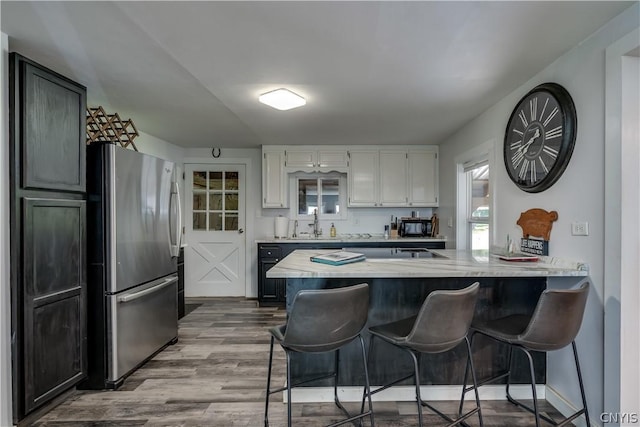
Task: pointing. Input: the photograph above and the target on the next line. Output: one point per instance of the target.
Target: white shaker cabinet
(323, 160)
(363, 177)
(274, 183)
(423, 177)
(398, 177)
(393, 178)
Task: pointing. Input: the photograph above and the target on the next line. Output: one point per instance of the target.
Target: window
(477, 177)
(321, 192)
(215, 201)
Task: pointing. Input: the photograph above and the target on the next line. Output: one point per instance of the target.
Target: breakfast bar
(399, 281)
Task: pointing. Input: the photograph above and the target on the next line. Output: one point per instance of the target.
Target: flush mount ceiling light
(282, 99)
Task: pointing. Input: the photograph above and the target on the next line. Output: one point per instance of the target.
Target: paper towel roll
(281, 227)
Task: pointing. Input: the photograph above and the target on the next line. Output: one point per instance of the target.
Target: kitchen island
(398, 287)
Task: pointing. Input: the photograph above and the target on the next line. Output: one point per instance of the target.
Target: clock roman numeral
(534, 176)
(516, 145)
(523, 119)
(552, 114)
(524, 168)
(544, 107)
(553, 153)
(553, 133)
(544, 167)
(533, 106)
(517, 158)
(518, 132)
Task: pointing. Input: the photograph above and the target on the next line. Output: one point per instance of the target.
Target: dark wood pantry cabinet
(48, 233)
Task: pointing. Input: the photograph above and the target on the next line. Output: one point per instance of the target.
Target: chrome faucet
(295, 229)
(316, 230)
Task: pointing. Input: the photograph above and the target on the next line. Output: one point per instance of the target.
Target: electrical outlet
(580, 228)
(450, 222)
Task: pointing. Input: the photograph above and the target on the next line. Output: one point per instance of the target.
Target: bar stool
(553, 325)
(322, 321)
(441, 324)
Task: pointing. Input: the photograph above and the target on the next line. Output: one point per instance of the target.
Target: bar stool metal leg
(582, 394)
(288, 389)
(475, 384)
(266, 405)
(367, 385)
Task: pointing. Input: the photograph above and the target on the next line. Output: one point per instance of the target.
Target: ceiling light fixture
(282, 99)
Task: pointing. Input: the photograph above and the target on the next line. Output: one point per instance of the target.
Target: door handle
(240, 231)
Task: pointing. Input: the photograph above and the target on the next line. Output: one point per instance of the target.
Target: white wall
(577, 196)
(5, 307)
(149, 144)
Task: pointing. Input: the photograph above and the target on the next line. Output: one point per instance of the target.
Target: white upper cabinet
(423, 177)
(393, 177)
(321, 160)
(377, 176)
(274, 182)
(363, 178)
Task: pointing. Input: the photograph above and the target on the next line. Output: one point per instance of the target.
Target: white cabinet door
(332, 159)
(316, 160)
(301, 158)
(423, 178)
(363, 178)
(274, 188)
(393, 178)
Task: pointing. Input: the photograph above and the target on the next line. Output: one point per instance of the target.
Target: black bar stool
(553, 325)
(441, 324)
(322, 321)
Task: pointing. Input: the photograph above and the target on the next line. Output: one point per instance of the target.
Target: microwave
(415, 227)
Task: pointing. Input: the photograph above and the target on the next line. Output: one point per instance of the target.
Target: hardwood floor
(216, 375)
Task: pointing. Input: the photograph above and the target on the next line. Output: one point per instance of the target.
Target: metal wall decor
(110, 128)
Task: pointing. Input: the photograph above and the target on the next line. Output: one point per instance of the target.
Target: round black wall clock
(540, 136)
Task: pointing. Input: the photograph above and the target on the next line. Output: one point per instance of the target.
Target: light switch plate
(580, 228)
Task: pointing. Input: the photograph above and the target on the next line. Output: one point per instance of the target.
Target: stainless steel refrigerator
(133, 236)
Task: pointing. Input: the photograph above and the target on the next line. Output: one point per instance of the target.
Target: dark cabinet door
(181, 304)
(54, 285)
(272, 290)
(47, 129)
(51, 128)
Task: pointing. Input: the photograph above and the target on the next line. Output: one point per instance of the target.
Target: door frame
(249, 230)
(621, 296)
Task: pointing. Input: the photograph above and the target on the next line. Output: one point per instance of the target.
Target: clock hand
(525, 147)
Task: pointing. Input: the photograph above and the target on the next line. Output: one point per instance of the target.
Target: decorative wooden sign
(109, 128)
(536, 223)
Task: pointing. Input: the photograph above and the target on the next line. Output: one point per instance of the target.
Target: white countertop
(352, 239)
(455, 264)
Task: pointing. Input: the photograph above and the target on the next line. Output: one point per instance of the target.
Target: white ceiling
(372, 72)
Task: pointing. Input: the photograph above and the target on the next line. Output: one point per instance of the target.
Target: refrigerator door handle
(134, 296)
(175, 194)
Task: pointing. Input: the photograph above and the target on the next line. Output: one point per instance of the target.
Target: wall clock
(540, 136)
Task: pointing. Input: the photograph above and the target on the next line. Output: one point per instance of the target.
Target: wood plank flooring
(216, 375)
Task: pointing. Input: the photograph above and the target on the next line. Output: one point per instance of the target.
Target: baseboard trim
(408, 393)
(565, 408)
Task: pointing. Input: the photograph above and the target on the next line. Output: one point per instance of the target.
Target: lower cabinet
(272, 292)
(181, 284)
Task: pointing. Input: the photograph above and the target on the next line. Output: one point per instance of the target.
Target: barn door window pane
(215, 201)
